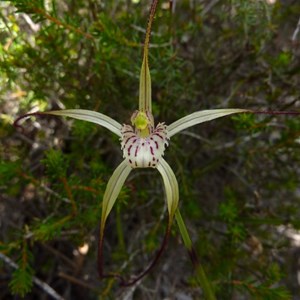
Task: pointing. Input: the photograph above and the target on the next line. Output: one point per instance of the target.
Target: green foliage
(8, 171)
(239, 178)
(265, 292)
(83, 130)
(56, 163)
(247, 122)
(228, 211)
(21, 282)
(255, 19)
(27, 6)
(48, 229)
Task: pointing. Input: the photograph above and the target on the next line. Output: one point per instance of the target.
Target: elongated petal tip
(171, 186)
(113, 189)
(90, 116)
(201, 117)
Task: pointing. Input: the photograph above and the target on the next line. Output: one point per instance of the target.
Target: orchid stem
(200, 273)
(149, 26)
(120, 229)
(152, 264)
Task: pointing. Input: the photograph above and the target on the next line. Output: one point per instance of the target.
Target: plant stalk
(200, 273)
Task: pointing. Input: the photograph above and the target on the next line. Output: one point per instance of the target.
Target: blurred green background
(238, 176)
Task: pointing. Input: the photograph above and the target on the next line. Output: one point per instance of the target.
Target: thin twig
(210, 5)
(43, 285)
(60, 255)
(70, 195)
(77, 281)
(60, 23)
(44, 187)
(294, 37)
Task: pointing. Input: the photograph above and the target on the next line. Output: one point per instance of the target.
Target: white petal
(90, 116)
(171, 186)
(201, 117)
(113, 189)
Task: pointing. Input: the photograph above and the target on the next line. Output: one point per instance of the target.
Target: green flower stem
(200, 273)
(120, 229)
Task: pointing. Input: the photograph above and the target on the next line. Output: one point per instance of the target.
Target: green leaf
(21, 282)
(56, 163)
(201, 277)
(8, 170)
(228, 211)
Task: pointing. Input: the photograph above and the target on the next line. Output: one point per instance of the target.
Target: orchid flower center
(142, 143)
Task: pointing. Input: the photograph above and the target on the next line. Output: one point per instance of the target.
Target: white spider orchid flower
(142, 142)
(143, 146)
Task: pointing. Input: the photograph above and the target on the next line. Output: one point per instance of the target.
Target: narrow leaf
(201, 117)
(201, 277)
(90, 116)
(183, 231)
